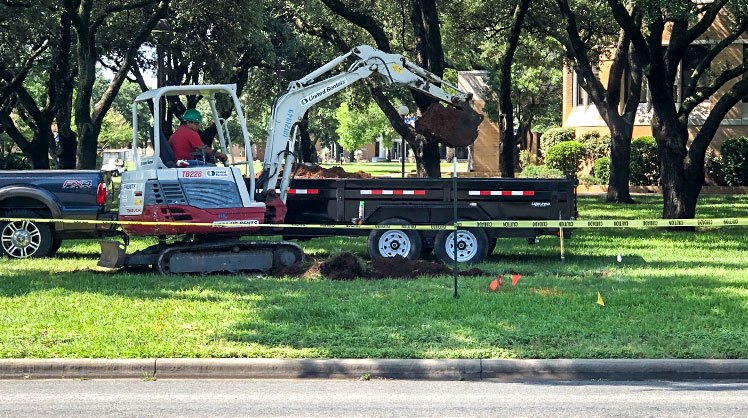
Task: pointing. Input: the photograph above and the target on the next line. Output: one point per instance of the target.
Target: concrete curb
(436, 369)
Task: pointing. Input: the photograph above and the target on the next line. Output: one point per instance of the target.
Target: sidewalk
(437, 369)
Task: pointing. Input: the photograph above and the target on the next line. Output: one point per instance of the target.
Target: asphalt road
(345, 398)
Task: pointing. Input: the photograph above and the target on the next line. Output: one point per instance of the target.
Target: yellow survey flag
(600, 300)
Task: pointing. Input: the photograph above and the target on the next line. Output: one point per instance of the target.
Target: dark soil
(401, 267)
(449, 125)
(346, 266)
(317, 172)
(336, 172)
(342, 266)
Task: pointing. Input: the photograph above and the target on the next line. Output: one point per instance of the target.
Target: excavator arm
(392, 70)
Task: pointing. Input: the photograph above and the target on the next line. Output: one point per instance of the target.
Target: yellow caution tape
(616, 223)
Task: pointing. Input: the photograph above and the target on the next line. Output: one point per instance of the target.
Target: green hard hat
(192, 115)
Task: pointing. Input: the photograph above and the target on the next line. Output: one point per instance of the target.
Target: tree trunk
(507, 140)
(36, 151)
(308, 152)
(428, 163)
(87, 133)
(678, 191)
(620, 161)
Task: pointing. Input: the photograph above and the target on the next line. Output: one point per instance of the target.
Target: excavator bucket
(449, 125)
(113, 254)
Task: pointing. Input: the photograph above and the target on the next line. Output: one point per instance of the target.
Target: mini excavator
(209, 208)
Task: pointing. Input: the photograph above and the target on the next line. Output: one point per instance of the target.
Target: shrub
(713, 168)
(602, 169)
(540, 171)
(565, 156)
(735, 161)
(524, 158)
(597, 146)
(645, 162)
(591, 181)
(553, 136)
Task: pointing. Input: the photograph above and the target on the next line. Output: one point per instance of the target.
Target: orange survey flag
(515, 279)
(494, 284)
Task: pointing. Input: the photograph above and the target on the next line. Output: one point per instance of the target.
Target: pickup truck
(52, 194)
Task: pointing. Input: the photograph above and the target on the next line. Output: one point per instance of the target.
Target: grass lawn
(673, 295)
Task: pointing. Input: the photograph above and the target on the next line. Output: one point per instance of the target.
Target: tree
(682, 165)
(582, 50)
(536, 87)
(360, 126)
(508, 141)
(377, 24)
(116, 131)
(36, 78)
(89, 22)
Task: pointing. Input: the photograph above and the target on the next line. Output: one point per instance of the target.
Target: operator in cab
(185, 140)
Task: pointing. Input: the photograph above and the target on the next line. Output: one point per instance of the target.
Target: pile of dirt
(335, 172)
(346, 266)
(449, 125)
(341, 266)
(401, 267)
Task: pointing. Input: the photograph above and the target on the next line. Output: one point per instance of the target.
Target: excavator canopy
(449, 125)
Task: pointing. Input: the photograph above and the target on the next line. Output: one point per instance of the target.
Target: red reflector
(101, 194)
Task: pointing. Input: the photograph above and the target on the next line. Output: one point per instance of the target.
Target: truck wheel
(392, 242)
(25, 239)
(472, 246)
(55, 246)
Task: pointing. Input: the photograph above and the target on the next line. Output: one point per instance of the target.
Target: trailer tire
(25, 239)
(472, 246)
(392, 242)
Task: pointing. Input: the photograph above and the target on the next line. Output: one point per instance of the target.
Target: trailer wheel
(392, 242)
(25, 239)
(472, 246)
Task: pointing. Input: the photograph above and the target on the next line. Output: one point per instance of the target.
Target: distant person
(185, 140)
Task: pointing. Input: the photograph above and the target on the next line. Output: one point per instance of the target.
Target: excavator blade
(113, 254)
(449, 125)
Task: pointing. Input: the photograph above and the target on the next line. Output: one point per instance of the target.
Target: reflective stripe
(300, 191)
(501, 193)
(394, 192)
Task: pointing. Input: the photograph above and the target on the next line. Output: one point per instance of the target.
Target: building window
(579, 93)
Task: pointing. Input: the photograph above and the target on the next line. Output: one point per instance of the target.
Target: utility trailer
(427, 201)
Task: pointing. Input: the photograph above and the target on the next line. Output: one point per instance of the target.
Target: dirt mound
(448, 125)
(401, 267)
(346, 266)
(335, 172)
(342, 266)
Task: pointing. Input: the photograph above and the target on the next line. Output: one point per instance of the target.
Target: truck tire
(472, 246)
(392, 242)
(25, 239)
(55, 246)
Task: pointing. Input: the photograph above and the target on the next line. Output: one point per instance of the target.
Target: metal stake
(454, 200)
